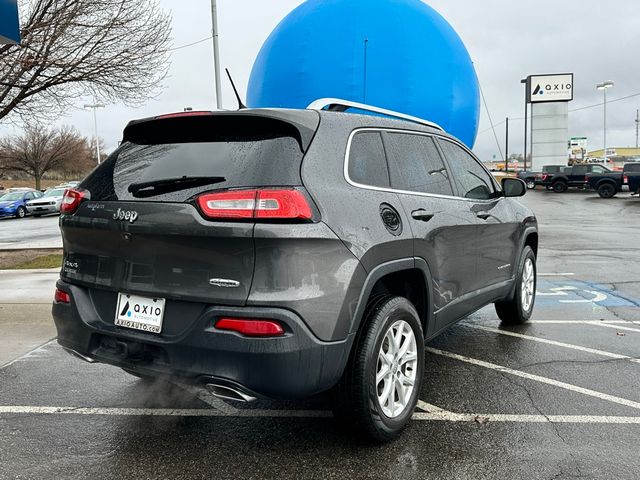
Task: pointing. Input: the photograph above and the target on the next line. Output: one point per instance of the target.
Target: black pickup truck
(569, 177)
(609, 183)
(535, 178)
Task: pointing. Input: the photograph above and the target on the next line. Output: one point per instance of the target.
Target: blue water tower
(395, 54)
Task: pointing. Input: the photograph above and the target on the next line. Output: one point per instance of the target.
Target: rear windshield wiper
(168, 185)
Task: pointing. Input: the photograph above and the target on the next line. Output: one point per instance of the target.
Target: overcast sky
(507, 41)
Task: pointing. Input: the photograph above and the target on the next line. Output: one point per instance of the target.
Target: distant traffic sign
(9, 24)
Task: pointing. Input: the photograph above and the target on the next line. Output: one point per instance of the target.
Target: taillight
(625, 180)
(61, 297)
(586, 179)
(250, 327)
(274, 204)
(72, 200)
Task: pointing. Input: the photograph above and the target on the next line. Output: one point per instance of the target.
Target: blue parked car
(13, 204)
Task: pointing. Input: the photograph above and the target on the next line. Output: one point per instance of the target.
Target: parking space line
(556, 274)
(28, 354)
(161, 412)
(509, 418)
(619, 324)
(437, 414)
(569, 322)
(429, 408)
(555, 343)
(616, 326)
(537, 378)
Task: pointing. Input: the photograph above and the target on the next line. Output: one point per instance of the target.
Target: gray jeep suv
(284, 253)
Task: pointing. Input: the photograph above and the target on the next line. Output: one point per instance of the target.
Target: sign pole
(216, 53)
(526, 118)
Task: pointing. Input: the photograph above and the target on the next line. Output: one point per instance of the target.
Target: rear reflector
(62, 297)
(276, 204)
(72, 199)
(251, 328)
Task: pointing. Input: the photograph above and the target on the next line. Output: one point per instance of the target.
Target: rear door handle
(422, 215)
(483, 215)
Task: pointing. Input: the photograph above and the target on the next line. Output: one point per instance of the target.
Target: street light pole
(604, 86)
(95, 106)
(216, 53)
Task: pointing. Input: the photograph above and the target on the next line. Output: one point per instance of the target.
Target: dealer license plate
(140, 313)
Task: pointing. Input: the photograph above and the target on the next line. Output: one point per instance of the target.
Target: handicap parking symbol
(577, 292)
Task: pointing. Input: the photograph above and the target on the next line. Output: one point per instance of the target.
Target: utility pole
(637, 126)
(95, 106)
(216, 53)
(506, 148)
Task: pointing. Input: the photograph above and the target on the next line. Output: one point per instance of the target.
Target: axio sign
(9, 25)
(550, 88)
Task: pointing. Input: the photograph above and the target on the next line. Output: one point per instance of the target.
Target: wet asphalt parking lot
(557, 398)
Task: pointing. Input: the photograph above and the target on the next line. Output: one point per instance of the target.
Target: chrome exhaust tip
(229, 393)
(73, 353)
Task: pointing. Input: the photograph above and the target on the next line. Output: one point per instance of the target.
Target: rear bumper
(293, 366)
(42, 209)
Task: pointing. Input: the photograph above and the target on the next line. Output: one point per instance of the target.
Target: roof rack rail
(340, 105)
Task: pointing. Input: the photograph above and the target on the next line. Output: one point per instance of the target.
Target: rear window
(632, 167)
(242, 152)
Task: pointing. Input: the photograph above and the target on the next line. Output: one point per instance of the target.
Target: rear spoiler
(202, 126)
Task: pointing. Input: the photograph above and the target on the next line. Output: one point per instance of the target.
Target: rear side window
(472, 180)
(415, 165)
(581, 170)
(239, 152)
(367, 161)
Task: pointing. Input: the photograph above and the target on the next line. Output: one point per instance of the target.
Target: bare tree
(40, 150)
(112, 49)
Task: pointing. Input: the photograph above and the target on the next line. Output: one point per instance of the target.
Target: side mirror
(513, 187)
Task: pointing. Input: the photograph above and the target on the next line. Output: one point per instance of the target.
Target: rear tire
(559, 187)
(607, 190)
(531, 184)
(517, 310)
(379, 389)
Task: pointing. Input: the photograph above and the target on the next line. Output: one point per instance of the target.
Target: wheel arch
(604, 181)
(407, 277)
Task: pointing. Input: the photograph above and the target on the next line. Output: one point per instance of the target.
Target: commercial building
(618, 156)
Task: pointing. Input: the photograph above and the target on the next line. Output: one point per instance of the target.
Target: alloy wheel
(396, 369)
(528, 285)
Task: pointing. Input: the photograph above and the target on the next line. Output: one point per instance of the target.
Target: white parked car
(48, 203)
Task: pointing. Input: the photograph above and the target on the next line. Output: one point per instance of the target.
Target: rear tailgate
(168, 251)
(156, 242)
